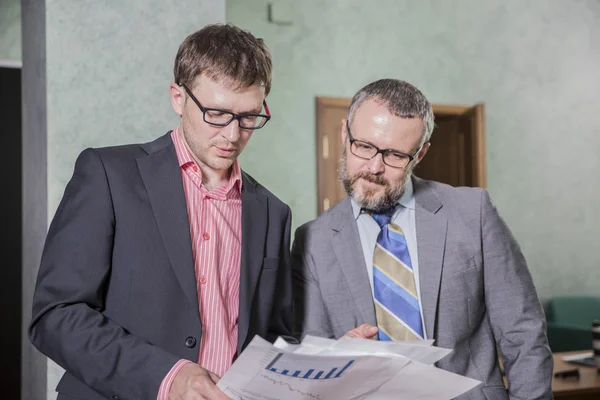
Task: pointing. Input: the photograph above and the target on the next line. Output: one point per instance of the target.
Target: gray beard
(368, 201)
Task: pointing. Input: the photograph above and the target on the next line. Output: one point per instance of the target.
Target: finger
(370, 331)
(214, 393)
(351, 334)
(367, 327)
(214, 377)
(363, 331)
(210, 390)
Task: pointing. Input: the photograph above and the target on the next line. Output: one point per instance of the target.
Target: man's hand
(364, 331)
(193, 382)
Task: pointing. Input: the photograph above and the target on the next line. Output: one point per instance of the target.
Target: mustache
(377, 179)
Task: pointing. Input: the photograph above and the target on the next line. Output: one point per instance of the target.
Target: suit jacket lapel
(431, 243)
(348, 251)
(254, 231)
(162, 178)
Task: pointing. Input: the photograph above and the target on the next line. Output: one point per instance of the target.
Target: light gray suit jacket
(476, 290)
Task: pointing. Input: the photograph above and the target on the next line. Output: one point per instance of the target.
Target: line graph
(290, 388)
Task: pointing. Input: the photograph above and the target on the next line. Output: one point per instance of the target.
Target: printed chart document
(324, 369)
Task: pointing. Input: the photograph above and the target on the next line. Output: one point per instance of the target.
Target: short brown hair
(226, 53)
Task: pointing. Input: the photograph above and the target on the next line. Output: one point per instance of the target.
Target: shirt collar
(185, 158)
(235, 179)
(407, 200)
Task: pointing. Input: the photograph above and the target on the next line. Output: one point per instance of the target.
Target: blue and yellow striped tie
(396, 301)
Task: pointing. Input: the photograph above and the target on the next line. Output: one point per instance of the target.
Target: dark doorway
(10, 238)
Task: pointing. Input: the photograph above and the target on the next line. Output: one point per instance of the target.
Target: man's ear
(343, 132)
(177, 95)
(422, 153)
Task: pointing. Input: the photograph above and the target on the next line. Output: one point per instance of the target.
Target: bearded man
(401, 258)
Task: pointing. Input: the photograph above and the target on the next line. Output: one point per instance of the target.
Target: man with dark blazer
(164, 259)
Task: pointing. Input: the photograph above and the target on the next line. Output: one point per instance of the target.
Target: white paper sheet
(353, 369)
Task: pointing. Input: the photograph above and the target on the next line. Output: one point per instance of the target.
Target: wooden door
(457, 152)
(456, 155)
(330, 113)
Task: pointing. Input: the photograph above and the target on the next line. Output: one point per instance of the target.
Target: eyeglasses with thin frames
(390, 157)
(216, 117)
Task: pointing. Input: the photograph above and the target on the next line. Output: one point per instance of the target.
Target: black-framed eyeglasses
(391, 157)
(216, 117)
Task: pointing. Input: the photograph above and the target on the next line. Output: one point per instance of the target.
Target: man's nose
(376, 165)
(231, 132)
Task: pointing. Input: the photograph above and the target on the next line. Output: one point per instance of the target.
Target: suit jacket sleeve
(514, 309)
(68, 324)
(281, 316)
(310, 314)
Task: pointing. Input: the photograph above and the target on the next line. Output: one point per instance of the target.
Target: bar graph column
(279, 366)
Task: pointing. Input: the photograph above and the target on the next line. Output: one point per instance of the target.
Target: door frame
(12, 276)
(11, 64)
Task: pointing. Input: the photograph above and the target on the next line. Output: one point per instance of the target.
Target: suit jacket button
(115, 397)
(190, 342)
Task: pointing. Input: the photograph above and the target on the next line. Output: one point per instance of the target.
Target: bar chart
(279, 366)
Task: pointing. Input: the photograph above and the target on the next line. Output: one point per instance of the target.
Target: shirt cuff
(165, 386)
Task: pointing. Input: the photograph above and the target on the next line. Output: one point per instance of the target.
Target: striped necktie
(395, 292)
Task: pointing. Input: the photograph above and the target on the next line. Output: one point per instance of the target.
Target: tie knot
(383, 218)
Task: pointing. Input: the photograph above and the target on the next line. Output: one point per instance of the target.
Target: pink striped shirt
(216, 231)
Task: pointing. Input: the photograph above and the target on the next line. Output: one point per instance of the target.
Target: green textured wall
(10, 30)
(534, 64)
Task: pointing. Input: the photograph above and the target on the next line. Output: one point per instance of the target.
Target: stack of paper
(345, 369)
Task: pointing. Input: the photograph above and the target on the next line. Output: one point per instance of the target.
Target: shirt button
(190, 342)
(195, 168)
(203, 279)
(206, 236)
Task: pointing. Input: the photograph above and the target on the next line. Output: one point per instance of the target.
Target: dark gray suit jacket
(476, 290)
(116, 302)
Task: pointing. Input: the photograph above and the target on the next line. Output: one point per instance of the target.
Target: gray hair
(401, 98)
